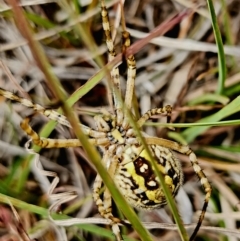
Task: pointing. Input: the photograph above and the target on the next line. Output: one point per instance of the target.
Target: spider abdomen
(139, 184)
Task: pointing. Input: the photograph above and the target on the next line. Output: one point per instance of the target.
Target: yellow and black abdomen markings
(139, 184)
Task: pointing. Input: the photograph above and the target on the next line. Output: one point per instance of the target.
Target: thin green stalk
(227, 29)
(181, 229)
(208, 124)
(221, 55)
(227, 24)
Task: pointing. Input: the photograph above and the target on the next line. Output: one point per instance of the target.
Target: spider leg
(196, 167)
(51, 114)
(131, 73)
(112, 162)
(112, 53)
(131, 69)
(131, 76)
(107, 198)
(105, 205)
(96, 194)
(166, 110)
(59, 143)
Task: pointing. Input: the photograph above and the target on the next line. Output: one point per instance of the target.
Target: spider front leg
(196, 167)
(100, 137)
(105, 205)
(115, 85)
(131, 72)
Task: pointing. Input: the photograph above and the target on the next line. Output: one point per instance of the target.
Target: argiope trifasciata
(123, 154)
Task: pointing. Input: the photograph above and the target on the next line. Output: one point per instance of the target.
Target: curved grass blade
(191, 133)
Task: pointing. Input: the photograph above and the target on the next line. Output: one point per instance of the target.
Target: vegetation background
(184, 68)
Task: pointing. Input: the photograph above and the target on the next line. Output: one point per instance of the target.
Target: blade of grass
(227, 24)
(228, 29)
(197, 124)
(221, 55)
(229, 148)
(191, 133)
(210, 97)
(40, 21)
(232, 90)
(177, 137)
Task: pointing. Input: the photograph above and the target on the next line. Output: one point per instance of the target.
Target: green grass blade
(197, 124)
(221, 56)
(210, 97)
(191, 133)
(227, 23)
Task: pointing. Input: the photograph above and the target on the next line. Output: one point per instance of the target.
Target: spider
(124, 155)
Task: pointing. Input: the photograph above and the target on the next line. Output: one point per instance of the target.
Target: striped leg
(49, 113)
(131, 68)
(112, 53)
(105, 205)
(59, 143)
(166, 110)
(107, 199)
(131, 74)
